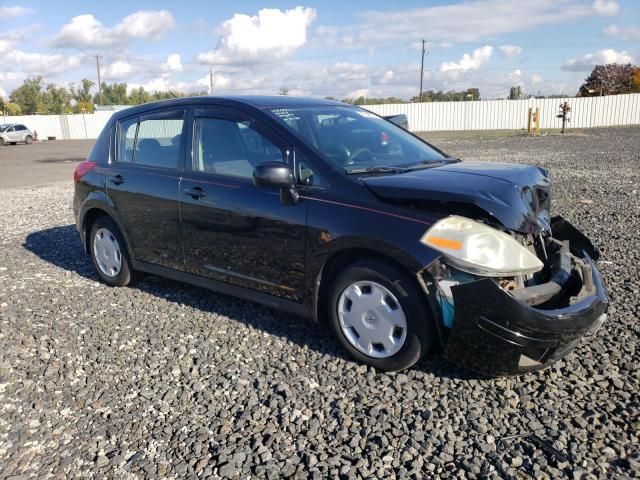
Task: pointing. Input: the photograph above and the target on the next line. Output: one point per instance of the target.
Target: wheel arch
(89, 217)
(342, 258)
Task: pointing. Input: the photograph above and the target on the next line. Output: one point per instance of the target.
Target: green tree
(137, 96)
(12, 109)
(82, 92)
(284, 91)
(112, 94)
(515, 93)
(450, 96)
(472, 94)
(372, 100)
(29, 96)
(56, 99)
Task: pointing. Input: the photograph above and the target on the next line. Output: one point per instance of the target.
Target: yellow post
(529, 122)
(537, 121)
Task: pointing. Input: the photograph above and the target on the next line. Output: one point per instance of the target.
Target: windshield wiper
(379, 169)
(433, 163)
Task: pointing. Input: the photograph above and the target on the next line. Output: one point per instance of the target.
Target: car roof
(255, 101)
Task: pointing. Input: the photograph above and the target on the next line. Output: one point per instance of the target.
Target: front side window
(152, 141)
(230, 147)
(354, 139)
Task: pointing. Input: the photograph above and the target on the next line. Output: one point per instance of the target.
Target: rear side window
(154, 141)
(20, 128)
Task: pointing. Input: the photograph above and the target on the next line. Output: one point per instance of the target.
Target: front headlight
(478, 249)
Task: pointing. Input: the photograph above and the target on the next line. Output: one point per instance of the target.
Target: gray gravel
(165, 379)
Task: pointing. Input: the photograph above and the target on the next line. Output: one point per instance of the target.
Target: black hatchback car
(334, 213)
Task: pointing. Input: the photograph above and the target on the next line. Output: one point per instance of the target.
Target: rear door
(20, 132)
(232, 230)
(143, 184)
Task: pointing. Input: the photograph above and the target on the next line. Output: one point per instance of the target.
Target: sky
(332, 48)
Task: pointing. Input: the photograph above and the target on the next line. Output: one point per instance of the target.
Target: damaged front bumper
(497, 332)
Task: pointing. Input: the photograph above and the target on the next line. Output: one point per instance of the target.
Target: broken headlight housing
(479, 249)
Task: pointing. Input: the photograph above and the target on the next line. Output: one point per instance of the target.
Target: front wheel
(380, 315)
(28, 140)
(109, 253)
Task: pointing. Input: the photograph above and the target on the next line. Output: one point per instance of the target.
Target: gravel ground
(165, 379)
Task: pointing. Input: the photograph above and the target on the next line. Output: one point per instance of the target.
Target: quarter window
(234, 148)
(127, 140)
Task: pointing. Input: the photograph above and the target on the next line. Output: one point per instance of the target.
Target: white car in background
(15, 133)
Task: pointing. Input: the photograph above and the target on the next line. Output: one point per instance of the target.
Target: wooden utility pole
(211, 81)
(98, 57)
(421, 70)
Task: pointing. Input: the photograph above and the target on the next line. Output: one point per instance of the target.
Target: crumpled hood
(515, 195)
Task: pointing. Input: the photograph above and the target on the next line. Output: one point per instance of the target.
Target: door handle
(117, 180)
(195, 192)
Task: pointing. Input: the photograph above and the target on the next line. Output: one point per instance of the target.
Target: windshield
(4, 127)
(355, 139)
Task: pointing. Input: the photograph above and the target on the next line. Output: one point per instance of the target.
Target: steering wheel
(353, 157)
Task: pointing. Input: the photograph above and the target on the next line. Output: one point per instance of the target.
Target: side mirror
(273, 174)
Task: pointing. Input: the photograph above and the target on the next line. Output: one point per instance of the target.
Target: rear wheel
(380, 315)
(109, 253)
(28, 140)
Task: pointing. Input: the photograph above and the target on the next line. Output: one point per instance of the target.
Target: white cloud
(600, 57)
(272, 34)
(536, 79)
(10, 12)
(628, 33)
(606, 7)
(456, 22)
(41, 64)
(219, 81)
(173, 64)
(118, 70)
(510, 51)
(87, 31)
(160, 84)
(469, 62)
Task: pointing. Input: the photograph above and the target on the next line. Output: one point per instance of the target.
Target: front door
(232, 230)
(143, 184)
(12, 134)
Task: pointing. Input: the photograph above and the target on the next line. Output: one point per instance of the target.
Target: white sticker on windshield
(285, 114)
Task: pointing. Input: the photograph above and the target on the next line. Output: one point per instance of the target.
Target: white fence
(63, 127)
(586, 112)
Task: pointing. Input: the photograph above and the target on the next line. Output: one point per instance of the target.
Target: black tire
(2, 142)
(28, 140)
(127, 274)
(419, 318)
